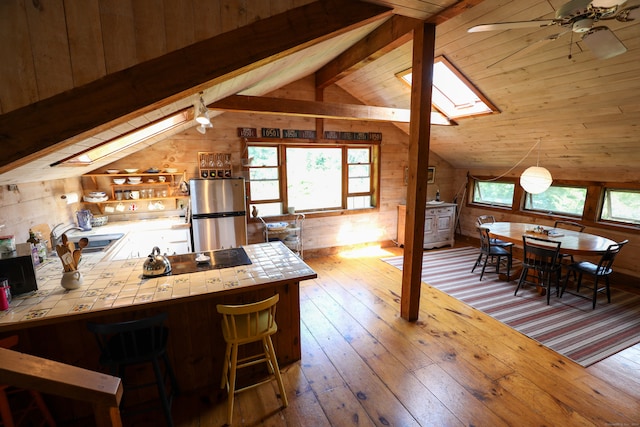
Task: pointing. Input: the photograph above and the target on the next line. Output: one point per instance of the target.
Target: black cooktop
(222, 258)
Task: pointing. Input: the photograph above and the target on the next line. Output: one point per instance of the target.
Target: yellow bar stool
(244, 324)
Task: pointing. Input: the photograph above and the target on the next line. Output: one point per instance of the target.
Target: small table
(572, 242)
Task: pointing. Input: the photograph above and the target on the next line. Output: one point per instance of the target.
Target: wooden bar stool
(135, 342)
(36, 402)
(244, 324)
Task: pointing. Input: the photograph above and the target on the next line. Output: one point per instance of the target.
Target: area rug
(568, 325)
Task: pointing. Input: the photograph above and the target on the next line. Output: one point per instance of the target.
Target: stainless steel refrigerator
(218, 213)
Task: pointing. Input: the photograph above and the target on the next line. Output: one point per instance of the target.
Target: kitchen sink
(97, 242)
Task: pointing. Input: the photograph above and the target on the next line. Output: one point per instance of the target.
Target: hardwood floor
(364, 365)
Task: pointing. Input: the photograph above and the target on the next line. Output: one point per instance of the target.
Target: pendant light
(202, 112)
(536, 179)
(203, 128)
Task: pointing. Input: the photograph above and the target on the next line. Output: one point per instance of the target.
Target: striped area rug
(568, 325)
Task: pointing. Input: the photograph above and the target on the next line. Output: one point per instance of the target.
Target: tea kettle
(84, 219)
(156, 264)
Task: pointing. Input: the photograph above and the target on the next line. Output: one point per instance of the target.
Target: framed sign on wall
(431, 175)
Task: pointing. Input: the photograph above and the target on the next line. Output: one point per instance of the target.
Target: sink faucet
(56, 238)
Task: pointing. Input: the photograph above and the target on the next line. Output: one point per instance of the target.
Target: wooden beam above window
(294, 107)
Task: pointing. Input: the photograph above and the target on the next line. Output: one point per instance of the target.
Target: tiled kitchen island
(52, 321)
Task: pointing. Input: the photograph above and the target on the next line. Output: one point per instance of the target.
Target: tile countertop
(115, 284)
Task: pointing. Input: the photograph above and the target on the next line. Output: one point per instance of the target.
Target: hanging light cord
(537, 144)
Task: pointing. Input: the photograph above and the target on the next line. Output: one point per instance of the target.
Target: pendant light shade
(202, 113)
(535, 180)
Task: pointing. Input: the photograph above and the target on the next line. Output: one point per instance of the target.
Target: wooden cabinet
(439, 225)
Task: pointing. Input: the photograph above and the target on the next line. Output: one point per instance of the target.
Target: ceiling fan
(580, 17)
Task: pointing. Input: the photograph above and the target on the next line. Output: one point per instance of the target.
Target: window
(153, 130)
(453, 95)
(493, 193)
(312, 178)
(264, 179)
(558, 200)
(621, 206)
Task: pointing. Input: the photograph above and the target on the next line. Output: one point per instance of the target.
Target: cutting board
(45, 230)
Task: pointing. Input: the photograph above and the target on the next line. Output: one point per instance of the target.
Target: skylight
(120, 143)
(453, 95)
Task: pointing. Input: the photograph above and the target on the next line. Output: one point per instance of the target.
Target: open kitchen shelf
(287, 229)
(163, 191)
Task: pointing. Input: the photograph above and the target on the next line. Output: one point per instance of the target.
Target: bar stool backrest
(130, 341)
(249, 322)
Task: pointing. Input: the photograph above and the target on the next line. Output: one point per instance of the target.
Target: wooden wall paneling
(118, 35)
(50, 47)
(84, 30)
(17, 69)
(234, 14)
(150, 29)
(179, 19)
(207, 19)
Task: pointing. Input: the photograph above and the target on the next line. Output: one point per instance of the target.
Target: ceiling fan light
(535, 180)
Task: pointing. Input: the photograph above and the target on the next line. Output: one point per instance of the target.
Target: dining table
(572, 242)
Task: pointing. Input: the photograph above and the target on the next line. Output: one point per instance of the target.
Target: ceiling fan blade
(530, 48)
(629, 14)
(603, 43)
(500, 26)
(607, 3)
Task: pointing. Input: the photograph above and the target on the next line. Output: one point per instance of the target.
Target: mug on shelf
(135, 194)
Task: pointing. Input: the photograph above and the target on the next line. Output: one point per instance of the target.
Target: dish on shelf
(171, 170)
(134, 180)
(202, 258)
(131, 170)
(119, 181)
(95, 199)
(97, 194)
(113, 170)
(152, 170)
(277, 226)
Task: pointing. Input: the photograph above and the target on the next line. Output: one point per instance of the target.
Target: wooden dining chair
(490, 219)
(603, 269)
(495, 253)
(541, 261)
(566, 259)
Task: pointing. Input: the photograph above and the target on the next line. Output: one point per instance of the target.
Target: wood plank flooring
(364, 365)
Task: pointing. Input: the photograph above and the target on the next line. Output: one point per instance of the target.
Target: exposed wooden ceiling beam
(61, 120)
(395, 32)
(326, 110)
(452, 11)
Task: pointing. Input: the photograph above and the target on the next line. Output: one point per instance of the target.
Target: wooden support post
(419, 135)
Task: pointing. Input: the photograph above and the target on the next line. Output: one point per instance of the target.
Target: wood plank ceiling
(584, 110)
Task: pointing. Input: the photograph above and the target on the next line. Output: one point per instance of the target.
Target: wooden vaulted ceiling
(584, 110)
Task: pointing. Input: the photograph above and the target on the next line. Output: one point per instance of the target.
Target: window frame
(591, 215)
(529, 196)
(618, 223)
(282, 145)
